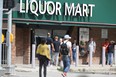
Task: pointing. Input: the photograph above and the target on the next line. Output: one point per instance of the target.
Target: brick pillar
(13, 44)
(26, 56)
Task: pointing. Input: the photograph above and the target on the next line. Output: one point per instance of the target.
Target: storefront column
(26, 46)
(13, 44)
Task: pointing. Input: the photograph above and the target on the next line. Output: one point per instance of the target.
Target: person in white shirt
(92, 45)
(67, 58)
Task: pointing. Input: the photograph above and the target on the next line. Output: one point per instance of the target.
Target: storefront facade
(85, 18)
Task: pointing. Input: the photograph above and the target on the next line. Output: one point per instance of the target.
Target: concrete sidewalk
(96, 69)
(81, 68)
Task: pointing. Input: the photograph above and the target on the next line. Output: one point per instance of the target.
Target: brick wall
(23, 45)
(96, 34)
(21, 54)
(26, 46)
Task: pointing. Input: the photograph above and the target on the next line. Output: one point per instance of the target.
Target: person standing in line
(74, 51)
(106, 44)
(50, 43)
(91, 47)
(43, 56)
(68, 57)
(110, 53)
(82, 47)
(56, 44)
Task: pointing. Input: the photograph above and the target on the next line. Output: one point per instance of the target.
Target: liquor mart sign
(49, 7)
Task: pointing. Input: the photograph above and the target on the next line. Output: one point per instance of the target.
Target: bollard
(103, 56)
(115, 54)
(77, 56)
(90, 57)
(49, 49)
(33, 55)
(50, 53)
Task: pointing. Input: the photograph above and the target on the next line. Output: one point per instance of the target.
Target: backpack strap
(65, 42)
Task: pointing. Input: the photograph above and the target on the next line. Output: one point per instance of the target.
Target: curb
(79, 69)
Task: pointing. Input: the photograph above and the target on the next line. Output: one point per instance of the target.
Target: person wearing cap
(110, 52)
(67, 58)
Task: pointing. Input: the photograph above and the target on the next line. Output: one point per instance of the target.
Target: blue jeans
(66, 63)
(110, 58)
(74, 55)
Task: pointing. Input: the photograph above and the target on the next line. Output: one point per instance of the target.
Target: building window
(84, 34)
(104, 33)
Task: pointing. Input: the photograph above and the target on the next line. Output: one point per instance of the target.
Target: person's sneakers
(64, 74)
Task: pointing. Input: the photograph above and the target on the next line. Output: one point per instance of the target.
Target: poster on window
(104, 33)
(84, 34)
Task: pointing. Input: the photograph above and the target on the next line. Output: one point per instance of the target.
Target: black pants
(43, 62)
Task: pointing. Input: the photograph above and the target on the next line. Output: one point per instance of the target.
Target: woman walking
(43, 57)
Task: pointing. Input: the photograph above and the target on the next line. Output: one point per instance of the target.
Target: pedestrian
(50, 43)
(43, 56)
(91, 46)
(106, 44)
(82, 47)
(110, 52)
(74, 51)
(56, 44)
(66, 54)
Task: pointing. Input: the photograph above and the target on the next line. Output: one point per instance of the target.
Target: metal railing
(4, 54)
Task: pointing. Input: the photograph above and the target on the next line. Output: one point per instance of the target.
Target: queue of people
(62, 50)
(109, 51)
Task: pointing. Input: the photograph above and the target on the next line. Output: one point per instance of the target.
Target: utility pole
(2, 71)
(8, 38)
(1, 16)
(10, 5)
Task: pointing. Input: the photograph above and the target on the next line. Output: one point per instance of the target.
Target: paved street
(54, 72)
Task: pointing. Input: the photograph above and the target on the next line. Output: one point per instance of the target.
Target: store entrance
(41, 31)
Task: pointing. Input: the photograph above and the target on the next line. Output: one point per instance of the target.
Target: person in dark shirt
(110, 52)
(50, 43)
(56, 44)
